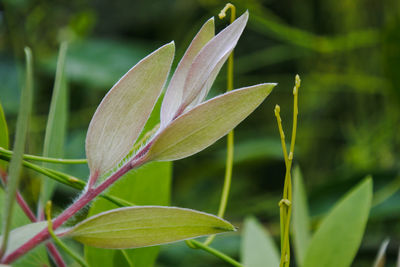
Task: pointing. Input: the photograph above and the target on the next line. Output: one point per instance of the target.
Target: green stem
(58, 241)
(6, 152)
(216, 253)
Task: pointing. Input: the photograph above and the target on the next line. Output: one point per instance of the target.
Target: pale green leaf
(56, 122)
(381, 256)
(143, 226)
(337, 239)
(174, 93)
(257, 246)
(3, 129)
(301, 218)
(206, 123)
(210, 60)
(123, 112)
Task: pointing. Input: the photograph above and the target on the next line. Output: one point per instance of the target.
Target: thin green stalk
(58, 241)
(216, 253)
(126, 256)
(19, 146)
(230, 137)
(6, 152)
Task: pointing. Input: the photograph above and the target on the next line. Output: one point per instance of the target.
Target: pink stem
(56, 255)
(24, 206)
(88, 196)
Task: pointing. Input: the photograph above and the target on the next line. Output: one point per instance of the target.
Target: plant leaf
(257, 246)
(301, 217)
(174, 93)
(144, 226)
(123, 112)
(3, 135)
(381, 257)
(339, 236)
(206, 123)
(210, 60)
(56, 122)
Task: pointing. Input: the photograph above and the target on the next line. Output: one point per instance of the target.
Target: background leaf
(143, 226)
(301, 218)
(257, 246)
(336, 241)
(3, 134)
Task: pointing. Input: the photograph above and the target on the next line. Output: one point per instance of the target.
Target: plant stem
(82, 201)
(216, 253)
(7, 152)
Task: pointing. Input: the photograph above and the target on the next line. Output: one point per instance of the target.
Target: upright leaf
(301, 217)
(174, 93)
(3, 134)
(143, 226)
(123, 112)
(257, 246)
(206, 123)
(19, 146)
(381, 257)
(339, 236)
(57, 120)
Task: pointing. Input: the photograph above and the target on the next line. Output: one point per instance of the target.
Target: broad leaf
(301, 217)
(257, 246)
(123, 112)
(206, 123)
(339, 236)
(56, 122)
(174, 93)
(144, 226)
(211, 58)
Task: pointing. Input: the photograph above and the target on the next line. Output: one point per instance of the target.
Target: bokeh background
(346, 52)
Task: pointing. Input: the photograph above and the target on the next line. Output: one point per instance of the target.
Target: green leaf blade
(301, 218)
(146, 226)
(339, 236)
(258, 247)
(206, 123)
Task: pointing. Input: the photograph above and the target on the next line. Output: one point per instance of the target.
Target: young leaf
(257, 246)
(22, 234)
(206, 123)
(337, 239)
(57, 121)
(19, 146)
(123, 112)
(211, 58)
(146, 226)
(174, 93)
(301, 218)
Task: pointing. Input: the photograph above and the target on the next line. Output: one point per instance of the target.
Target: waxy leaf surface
(174, 93)
(123, 112)
(337, 239)
(206, 123)
(143, 226)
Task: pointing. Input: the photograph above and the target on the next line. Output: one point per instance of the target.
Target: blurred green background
(346, 52)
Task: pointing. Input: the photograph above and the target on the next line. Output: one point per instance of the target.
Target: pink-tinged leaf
(210, 60)
(206, 123)
(143, 226)
(123, 112)
(173, 96)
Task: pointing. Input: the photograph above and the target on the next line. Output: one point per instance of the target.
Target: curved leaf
(144, 226)
(337, 239)
(123, 112)
(206, 123)
(173, 96)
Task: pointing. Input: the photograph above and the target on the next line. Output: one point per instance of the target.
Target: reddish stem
(88, 196)
(24, 206)
(56, 255)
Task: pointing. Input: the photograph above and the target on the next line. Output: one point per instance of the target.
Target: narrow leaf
(174, 93)
(123, 112)
(301, 217)
(257, 246)
(211, 58)
(206, 123)
(146, 226)
(57, 120)
(381, 257)
(339, 236)
(3, 129)
(19, 146)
